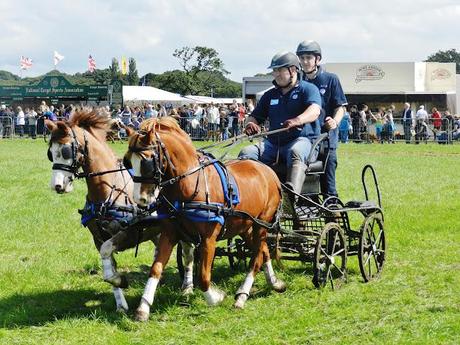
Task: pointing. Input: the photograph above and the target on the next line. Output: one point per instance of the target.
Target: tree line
(202, 73)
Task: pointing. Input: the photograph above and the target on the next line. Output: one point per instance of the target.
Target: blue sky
(245, 33)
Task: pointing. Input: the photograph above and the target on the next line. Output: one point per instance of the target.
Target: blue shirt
(278, 108)
(332, 96)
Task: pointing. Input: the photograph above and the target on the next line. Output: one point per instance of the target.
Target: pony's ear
(61, 126)
(148, 138)
(50, 125)
(129, 131)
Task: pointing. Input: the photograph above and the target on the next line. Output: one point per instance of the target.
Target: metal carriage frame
(317, 229)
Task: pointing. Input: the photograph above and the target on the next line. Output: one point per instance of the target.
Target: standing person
(293, 104)
(333, 103)
(20, 121)
(31, 116)
(408, 122)
(344, 127)
(389, 124)
(378, 118)
(420, 125)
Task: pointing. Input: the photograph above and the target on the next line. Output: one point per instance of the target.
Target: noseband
(153, 169)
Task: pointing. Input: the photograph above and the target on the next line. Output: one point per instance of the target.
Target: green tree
(114, 69)
(194, 62)
(133, 77)
(451, 55)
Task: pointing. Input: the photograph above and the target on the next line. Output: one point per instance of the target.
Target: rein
(242, 137)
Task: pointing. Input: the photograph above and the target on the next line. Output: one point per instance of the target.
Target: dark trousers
(407, 133)
(327, 180)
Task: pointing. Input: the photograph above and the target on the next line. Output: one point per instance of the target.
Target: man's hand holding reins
(292, 123)
(252, 128)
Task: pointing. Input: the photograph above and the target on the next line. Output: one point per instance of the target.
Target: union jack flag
(91, 64)
(25, 62)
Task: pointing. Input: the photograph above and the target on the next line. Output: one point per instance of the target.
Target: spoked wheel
(330, 257)
(371, 253)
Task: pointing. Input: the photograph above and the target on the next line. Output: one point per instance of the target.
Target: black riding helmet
(309, 47)
(284, 59)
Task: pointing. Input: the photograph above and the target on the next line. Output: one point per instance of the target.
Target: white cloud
(245, 33)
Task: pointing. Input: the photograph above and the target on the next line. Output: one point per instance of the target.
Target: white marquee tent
(151, 94)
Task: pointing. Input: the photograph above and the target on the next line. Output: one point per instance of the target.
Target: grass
(51, 290)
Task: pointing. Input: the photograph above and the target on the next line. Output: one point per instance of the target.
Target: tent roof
(149, 93)
(209, 100)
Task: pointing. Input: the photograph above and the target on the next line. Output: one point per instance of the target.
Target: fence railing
(410, 131)
(445, 130)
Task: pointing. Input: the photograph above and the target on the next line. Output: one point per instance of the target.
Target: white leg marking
(187, 254)
(243, 292)
(245, 288)
(277, 284)
(122, 305)
(108, 270)
(269, 273)
(213, 296)
(149, 294)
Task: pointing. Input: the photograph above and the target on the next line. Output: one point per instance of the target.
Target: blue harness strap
(92, 210)
(202, 211)
(229, 185)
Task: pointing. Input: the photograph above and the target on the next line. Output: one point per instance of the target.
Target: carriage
(317, 229)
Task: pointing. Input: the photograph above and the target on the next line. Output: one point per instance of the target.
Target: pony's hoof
(240, 300)
(187, 290)
(214, 296)
(141, 316)
(122, 310)
(124, 283)
(279, 286)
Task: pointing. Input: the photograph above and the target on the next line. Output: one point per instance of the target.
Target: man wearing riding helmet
(333, 102)
(293, 104)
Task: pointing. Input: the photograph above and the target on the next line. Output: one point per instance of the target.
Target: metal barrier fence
(443, 131)
(201, 129)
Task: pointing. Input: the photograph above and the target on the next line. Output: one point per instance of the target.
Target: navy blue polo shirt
(332, 96)
(278, 108)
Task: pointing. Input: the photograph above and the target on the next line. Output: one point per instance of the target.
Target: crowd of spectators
(385, 125)
(202, 121)
(222, 121)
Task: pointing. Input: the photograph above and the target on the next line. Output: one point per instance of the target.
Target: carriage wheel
(330, 257)
(371, 253)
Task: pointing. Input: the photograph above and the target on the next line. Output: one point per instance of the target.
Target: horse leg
(110, 273)
(260, 256)
(187, 255)
(165, 247)
(277, 284)
(212, 295)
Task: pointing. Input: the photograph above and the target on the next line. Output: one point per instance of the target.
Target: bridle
(153, 169)
(71, 152)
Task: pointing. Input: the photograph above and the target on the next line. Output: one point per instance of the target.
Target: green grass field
(52, 292)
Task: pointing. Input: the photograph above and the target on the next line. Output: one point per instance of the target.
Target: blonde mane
(87, 118)
(165, 124)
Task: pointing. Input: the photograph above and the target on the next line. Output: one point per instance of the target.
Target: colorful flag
(91, 64)
(124, 65)
(57, 57)
(25, 62)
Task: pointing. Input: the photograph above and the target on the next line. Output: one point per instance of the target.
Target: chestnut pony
(81, 144)
(162, 155)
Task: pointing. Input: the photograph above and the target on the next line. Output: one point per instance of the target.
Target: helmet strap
(312, 74)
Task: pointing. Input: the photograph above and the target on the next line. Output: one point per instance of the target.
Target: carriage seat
(315, 165)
